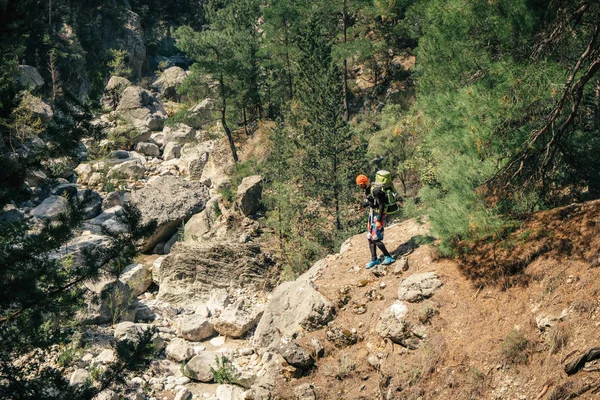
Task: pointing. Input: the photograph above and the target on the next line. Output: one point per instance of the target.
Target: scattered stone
(139, 107)
(202, 310)
(341, 337)
(217, 341)
(111, 300)
(393, 325)
(295, 355)
(229, 392)
(112, 199)
(171, 151)
(106, 395)
(374, 361)
(183, 394)
(132, 169)
(305, 392)
(418, 287)
(401, 265)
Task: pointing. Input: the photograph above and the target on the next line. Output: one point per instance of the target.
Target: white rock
(218, 341)
(79, 377)
(107, 356)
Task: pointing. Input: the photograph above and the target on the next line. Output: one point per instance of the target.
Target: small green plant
(217, 209)
(118, 64)
(345, 367)
(414, 377)
(95, 372)
(68, 355)
(514, 348)
(224, 372)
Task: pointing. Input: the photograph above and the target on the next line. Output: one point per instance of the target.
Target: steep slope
(478, 342)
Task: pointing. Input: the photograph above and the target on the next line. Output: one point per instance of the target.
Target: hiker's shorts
(372, 232)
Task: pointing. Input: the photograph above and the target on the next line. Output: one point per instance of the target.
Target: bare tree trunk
(54, 75)
(224, 121)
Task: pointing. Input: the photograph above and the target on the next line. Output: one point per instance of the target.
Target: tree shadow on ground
(411, 244)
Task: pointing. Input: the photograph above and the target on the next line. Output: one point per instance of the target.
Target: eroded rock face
(418, 287)
(294, 306)
(141, 108)
(170, 201)
(191, 271)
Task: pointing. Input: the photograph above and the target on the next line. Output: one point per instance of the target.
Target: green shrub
(225, 372)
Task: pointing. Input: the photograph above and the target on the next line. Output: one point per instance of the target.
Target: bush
(225, 372)
(514, 348)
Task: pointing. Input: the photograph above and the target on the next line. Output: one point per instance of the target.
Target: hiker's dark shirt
(376, 200)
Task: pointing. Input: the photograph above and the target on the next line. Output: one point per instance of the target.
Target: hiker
(376, 199)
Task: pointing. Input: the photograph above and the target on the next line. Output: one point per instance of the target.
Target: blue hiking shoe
(388, 260)
(372, 264)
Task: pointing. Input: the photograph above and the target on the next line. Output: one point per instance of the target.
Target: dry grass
(514, 348)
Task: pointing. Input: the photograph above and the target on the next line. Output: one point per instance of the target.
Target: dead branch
(577, 364)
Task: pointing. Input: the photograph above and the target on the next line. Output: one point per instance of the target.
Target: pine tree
(331, 152)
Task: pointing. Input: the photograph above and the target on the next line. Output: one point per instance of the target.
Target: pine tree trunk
(224, 121)
(288, 64)
(336, 195)
(346, 112)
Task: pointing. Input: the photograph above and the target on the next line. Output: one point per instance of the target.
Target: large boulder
(138, 277)
(190, 272)
(169, 81)
(199, 367)
(294, 306)
(418, 287)
(179, 350)
(172, 150)
(114, 90)
(195, 328)
(147, 149)
(194, 157)
(170, 201)
(393, 324)
(51, 208)
(30, 78)
(37, 107)
(238, 319)
(141, 108)
(109, 301)
(131, 170)
(249, 195)
(203, 222)
(179, 133)
(218, 164)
